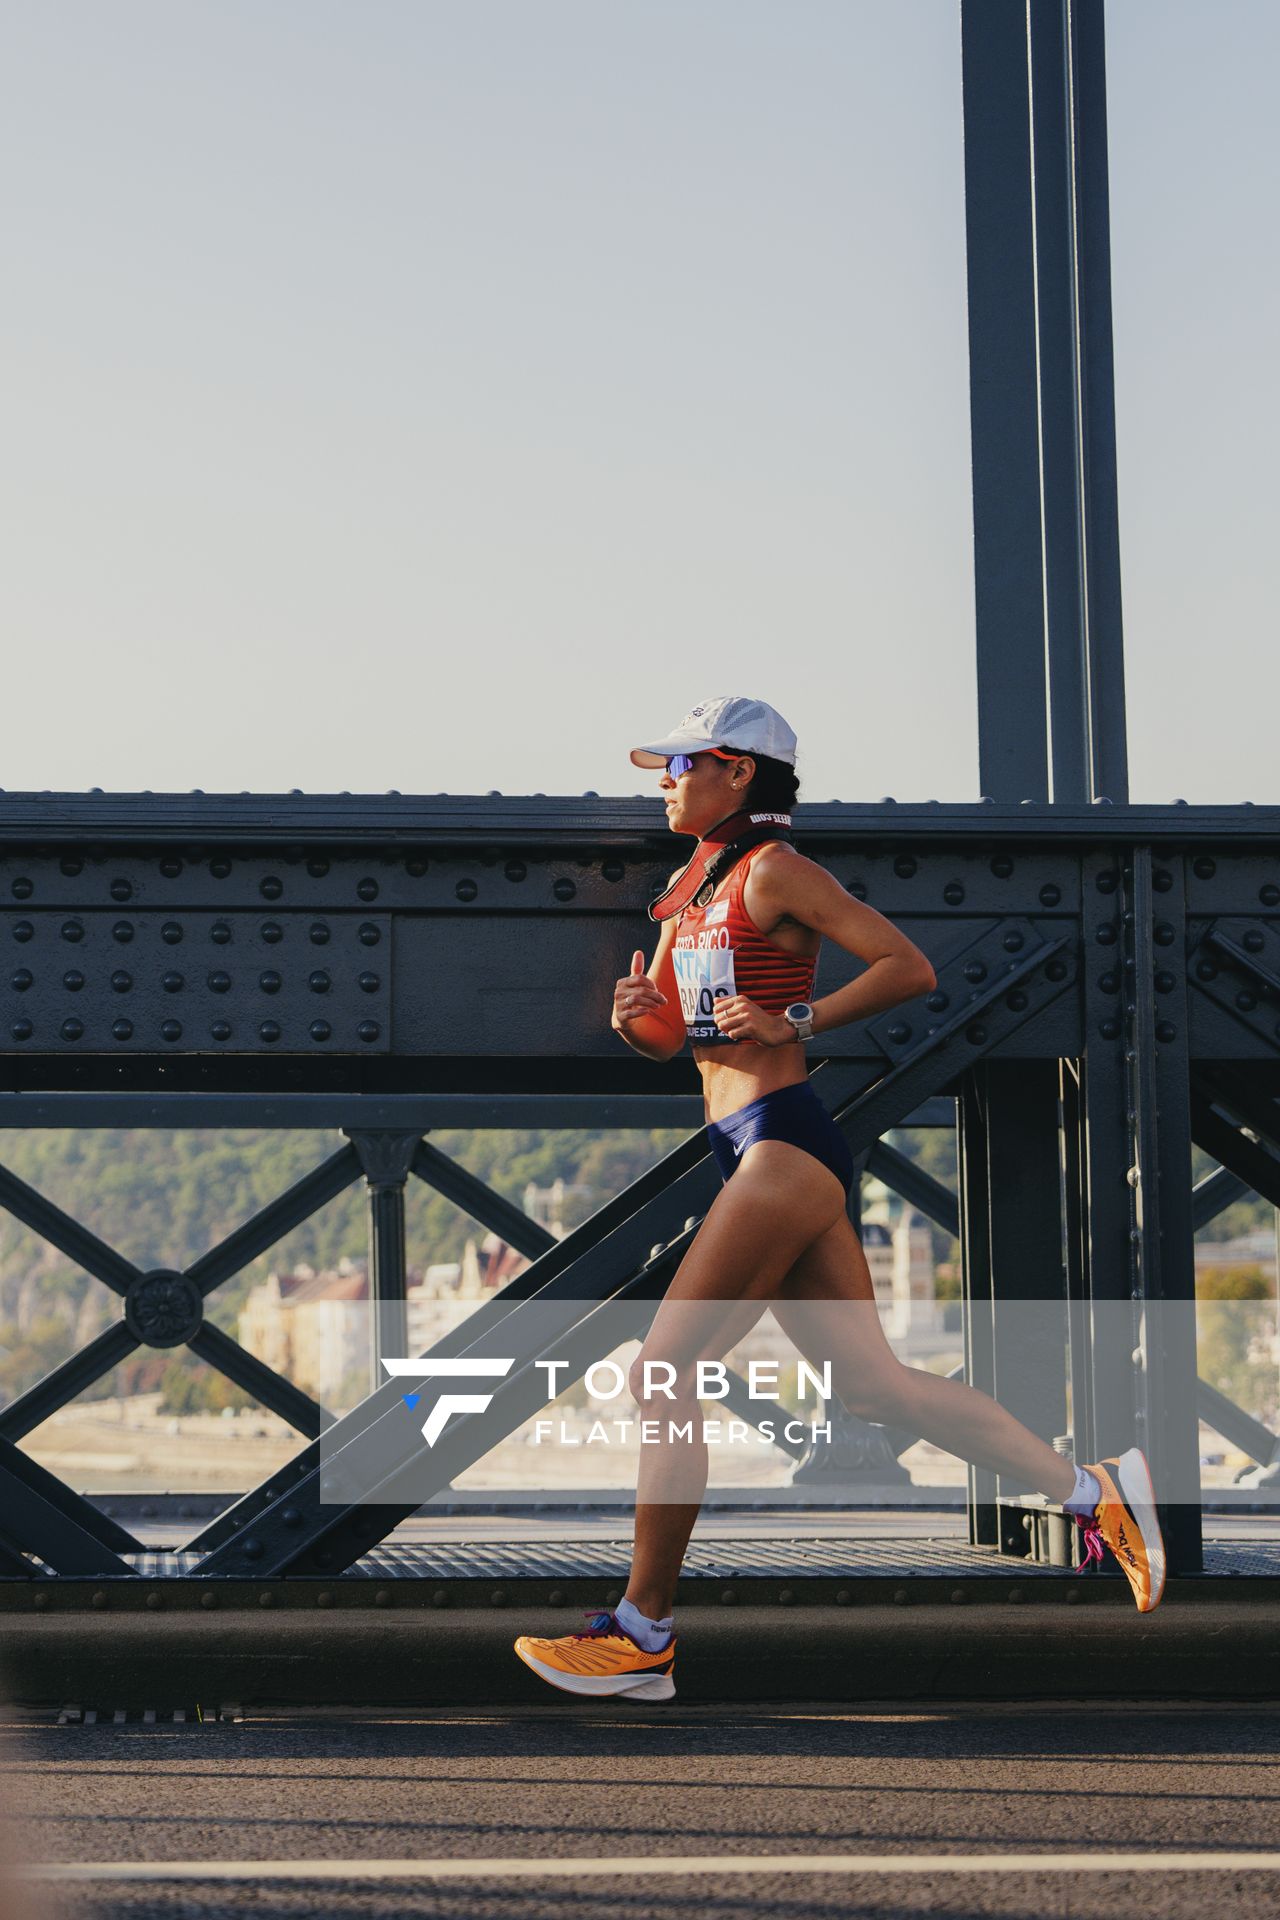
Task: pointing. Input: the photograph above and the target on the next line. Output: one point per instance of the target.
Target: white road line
(523, 1868)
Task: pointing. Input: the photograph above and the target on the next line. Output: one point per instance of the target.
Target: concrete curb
(464, 1657)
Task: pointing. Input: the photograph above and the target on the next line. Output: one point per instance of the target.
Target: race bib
(704, 974)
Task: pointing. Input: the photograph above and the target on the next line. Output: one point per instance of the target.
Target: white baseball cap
(745, 726)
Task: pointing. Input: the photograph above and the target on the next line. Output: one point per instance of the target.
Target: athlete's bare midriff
(734, 1076)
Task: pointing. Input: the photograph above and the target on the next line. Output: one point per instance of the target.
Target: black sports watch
(800, 1014)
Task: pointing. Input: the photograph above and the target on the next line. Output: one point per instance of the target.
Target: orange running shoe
(603, 1660)
(1125, 1520)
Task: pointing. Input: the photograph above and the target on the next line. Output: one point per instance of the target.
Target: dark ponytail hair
(774, 786)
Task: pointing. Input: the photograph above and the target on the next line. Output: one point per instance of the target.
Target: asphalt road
(557, 1785)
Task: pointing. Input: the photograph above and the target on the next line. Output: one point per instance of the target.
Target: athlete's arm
(654, 1023)
(787, 885)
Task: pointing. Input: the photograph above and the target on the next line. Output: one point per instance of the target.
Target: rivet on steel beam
(22, 979)
(1002, 865)
(171, 933)
(220, 1030)
(1050, 895)
(857, 888)
(1253, 941)
(272, 932)
(900, 1033)
(41, 1599)
(269, 981)
(220, 933)
(23, 930)
(974, 970)
(1014, 1595)
(1246, 1002)
(368, 982)
(728, 1598)
(786, 1597)
(1106, 935)
(21, 1030)
(369, 934)
(1107, 881)
(253, 1549)
(319, 933)
(368, 1030)
(1016, 1001)
(1166, 1031)
(843, 1597)
(440, 1597)
(1165, 982)
(975, 1033)
(958, 1596)
(905, 867)
(269, 1030)
(220, 868)
(270, 886)
(1110, 1029)
(1204, 868)
(466, 890)
(498, 1598)
(953, 893)
(266, 1598)
(564, 889)
(613, 871)
(1072, 1596)
(72, 930)
(1056, 970)
(367, 889)
(208, 1599)
(155, 1601)
(382, 1598)
(173, 982)
(1269, 895)
(122, 1029)
(22, 888)
(1013, 941)
(938, 1001)
(900, 1596)
(324, 1598)
(72, 1029)
(555, 1598)
(516, 870)
(121, 889)
(320, 1030)
(1109, 982)
(171, 1030)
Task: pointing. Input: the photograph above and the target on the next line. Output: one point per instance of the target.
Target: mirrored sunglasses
(678, 763)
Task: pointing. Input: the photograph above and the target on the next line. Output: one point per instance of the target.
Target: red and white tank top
(719, 951)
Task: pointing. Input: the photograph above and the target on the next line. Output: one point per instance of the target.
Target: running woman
(733, 973)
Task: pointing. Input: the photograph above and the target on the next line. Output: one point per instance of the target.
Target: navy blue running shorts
(793, 1113)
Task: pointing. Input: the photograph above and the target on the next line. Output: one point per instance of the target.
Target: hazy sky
(445, 394)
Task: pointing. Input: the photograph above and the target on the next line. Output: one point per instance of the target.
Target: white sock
(1084, 1496)
(652, 1635)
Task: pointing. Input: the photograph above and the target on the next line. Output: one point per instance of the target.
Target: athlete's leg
(826, 1306)
(754, 1232)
